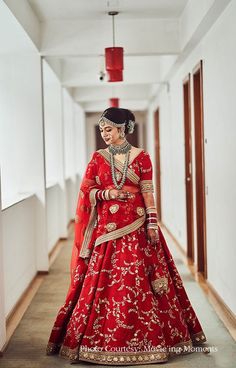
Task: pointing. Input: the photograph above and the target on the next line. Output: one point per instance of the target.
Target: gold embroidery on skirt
(113, 358)
(114, 208)
(198, 338)
(123, 358)
(160, 285)
(140, 211)
(111, 226)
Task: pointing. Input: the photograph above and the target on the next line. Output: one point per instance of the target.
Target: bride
(126, 303)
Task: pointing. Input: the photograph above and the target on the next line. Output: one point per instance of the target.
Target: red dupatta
(85, 217)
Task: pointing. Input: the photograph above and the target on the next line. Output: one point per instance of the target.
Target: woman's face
(110, 134)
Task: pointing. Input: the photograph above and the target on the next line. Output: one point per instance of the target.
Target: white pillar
(2, 291)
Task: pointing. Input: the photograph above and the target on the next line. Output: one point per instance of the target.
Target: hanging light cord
(113, 29)
(113, 13)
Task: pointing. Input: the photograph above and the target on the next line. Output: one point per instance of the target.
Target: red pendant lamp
(114, 57)
(114, 102)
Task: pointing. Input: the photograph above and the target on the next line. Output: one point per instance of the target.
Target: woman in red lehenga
(126, 303)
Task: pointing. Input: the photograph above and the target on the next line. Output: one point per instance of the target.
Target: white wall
(65, 154)
(219, 79)
(2, 283)
(53, 127)
(23, 245)
(80, 140)
(74, 149)
(56, 205)
(69, 134)
(19, 250)
(20, 111)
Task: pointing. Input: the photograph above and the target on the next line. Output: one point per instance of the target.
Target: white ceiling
(155, 34)
(48, 10)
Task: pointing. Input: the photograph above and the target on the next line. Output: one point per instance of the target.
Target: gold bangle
(106, 194)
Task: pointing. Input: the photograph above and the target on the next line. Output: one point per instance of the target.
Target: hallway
(172, 64)
(27, 346)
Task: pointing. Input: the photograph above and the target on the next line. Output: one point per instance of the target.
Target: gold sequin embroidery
(160, 285)
(140, 211)
(114, 208)
(113, 358)
(111, 226)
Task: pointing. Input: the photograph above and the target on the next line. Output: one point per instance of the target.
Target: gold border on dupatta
(130, 173)
(121, 232)
(84, 252)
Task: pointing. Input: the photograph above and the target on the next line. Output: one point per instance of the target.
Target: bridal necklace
(115, 149)
(118, 149)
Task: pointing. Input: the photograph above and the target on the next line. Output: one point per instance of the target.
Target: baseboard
(18, 311)
(221, 309)
(56, 250)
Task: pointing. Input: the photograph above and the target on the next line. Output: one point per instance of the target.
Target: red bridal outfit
(126, 303)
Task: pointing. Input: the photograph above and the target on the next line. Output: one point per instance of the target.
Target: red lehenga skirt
(128, 306)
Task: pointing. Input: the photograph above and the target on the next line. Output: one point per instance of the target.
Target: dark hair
(119, 116)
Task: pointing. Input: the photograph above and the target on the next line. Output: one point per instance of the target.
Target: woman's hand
(153, 236)
(121, 195)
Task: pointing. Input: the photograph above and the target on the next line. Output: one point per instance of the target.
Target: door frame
(200, 169)
(157, 161)
(188, 166)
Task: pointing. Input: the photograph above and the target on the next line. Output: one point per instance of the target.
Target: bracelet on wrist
(103, 195)
(152, 226)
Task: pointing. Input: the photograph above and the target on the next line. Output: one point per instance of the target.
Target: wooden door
(200, 169)
(188, 167)
(157, 170)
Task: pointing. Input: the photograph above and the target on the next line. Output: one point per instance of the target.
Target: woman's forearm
(151, 211)
(148, 199)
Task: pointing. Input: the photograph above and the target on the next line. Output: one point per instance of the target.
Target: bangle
(103, 195)
(151, 218)
(152, 226)
(151, 209)
(98, 195)
(106, 194)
